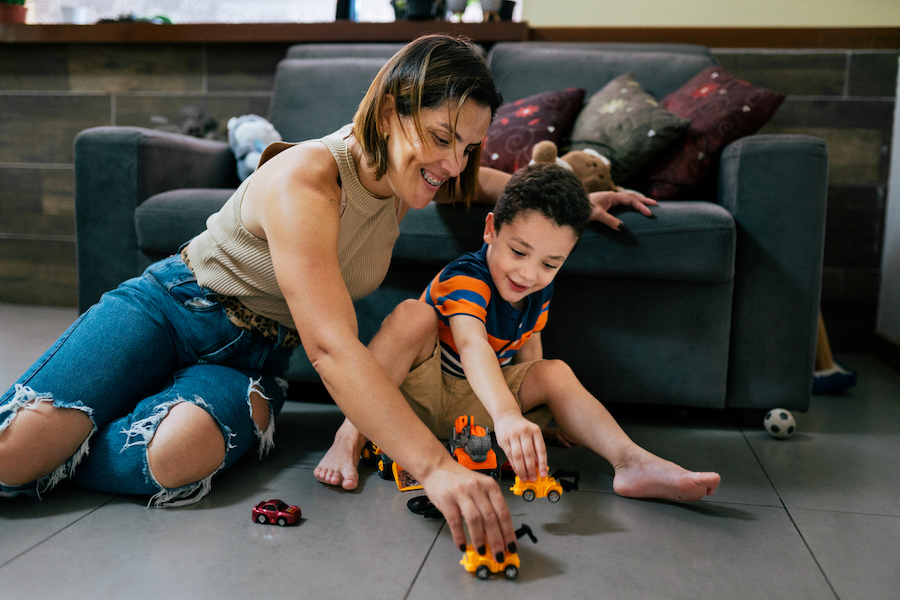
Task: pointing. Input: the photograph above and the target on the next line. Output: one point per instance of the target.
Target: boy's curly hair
(548, 189)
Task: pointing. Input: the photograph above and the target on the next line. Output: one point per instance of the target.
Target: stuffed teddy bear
(248, 136)
(591, 167)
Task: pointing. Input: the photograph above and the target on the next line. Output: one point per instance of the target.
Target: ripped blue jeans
(155, 341)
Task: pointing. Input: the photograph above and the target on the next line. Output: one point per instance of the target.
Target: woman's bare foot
(645, 475)
(338, 466)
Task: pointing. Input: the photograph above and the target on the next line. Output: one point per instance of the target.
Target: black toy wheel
(385, 470)
(511, 572)
(528, 495)
(419, 504)
(483, 572)
(261, 519)
(367, 456)
(282, 521)
(553, 496)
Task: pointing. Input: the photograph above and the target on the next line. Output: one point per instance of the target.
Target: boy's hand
(601, 202)
(523, 443)
(463, 495)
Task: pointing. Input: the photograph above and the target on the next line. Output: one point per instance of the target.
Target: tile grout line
(422, 564)
(790, 516)
(55, 533)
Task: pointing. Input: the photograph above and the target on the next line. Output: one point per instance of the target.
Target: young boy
(482, 355)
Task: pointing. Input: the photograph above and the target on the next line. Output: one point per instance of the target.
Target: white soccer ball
(780, 423)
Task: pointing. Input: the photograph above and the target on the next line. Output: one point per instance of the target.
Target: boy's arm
(531, 350)
(520, 439)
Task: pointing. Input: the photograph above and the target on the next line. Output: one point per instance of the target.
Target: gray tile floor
(816, 516)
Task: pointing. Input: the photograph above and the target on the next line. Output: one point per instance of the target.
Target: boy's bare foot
(645, 475)
(338, 466)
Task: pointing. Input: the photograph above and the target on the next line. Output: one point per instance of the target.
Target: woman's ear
(388, 110)
(490, 231)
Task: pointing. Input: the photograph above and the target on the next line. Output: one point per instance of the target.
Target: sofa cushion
(684, 241)
(314, 97)
(722, 109)
(525, 68)
(165, 221)
(519, 125)
(627, 125)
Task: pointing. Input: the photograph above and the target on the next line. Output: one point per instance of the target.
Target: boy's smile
(525, 255)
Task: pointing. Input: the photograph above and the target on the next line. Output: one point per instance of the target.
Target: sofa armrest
(116, 169)
(775, 186)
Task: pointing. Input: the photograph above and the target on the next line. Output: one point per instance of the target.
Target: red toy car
(276, 512)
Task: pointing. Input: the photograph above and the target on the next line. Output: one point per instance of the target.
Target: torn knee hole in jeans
(28, 399)
(266, 437)
(142, 431)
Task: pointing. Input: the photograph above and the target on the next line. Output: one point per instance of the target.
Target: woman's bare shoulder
(299, 174)
(308, 163)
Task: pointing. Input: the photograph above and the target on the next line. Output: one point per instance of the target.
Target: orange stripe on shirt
(442, 289)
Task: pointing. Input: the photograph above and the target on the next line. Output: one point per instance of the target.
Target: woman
(173, 376)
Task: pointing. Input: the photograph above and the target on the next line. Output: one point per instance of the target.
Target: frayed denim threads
(153, 342)
(26, 398)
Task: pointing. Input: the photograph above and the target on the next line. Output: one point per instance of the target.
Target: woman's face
(419, 165)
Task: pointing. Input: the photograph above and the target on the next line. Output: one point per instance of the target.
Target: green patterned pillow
(627, 125)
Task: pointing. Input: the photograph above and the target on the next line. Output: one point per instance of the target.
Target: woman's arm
(297, 211)
(491, 183)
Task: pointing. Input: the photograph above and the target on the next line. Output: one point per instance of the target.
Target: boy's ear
(489, 230)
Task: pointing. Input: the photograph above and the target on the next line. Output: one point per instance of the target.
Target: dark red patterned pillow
(722, 108)
(520, 125)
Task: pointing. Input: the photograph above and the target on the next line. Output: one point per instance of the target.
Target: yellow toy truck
(547, 487)
(484, 565)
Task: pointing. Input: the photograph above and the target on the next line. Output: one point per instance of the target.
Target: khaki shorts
(438, 399)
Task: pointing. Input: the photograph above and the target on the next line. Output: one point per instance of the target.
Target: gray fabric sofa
(711, 303)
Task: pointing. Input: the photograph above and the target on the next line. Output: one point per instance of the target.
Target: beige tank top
(231, 261)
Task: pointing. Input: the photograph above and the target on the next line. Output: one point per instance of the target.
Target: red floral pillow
(722, 108)
(520, 125)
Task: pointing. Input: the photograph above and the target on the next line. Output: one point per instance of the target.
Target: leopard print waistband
(243, 317)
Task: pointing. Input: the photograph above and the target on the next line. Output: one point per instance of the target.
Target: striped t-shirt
(465, 287)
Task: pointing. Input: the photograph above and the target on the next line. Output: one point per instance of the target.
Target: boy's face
(525, 255)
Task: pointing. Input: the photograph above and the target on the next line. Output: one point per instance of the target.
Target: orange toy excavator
(471, 445)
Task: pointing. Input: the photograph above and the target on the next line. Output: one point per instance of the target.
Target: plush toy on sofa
(248, 136)
(592, 168)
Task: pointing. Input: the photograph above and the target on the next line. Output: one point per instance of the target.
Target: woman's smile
(423, 161)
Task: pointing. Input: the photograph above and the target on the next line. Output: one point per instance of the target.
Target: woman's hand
(466, 496)
(523, 443)
(602, 202)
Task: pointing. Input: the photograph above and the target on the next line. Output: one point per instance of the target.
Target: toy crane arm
(526, 530)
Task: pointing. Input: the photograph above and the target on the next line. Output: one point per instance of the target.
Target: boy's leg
(405, 340)
(639, 474)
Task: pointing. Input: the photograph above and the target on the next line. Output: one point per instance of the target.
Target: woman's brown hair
(427, 72)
